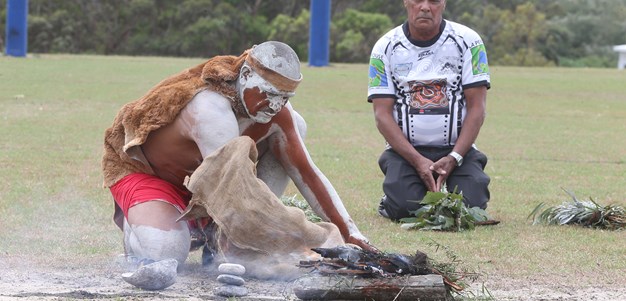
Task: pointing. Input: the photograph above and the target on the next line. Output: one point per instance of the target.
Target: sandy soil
(21, 280)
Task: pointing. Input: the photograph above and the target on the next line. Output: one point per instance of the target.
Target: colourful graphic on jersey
(479, 60)
(429, 96)
(377, 77)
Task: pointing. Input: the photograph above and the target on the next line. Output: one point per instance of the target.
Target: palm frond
(586, 213)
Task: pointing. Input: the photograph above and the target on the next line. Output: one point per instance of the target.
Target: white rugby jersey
(427, 79)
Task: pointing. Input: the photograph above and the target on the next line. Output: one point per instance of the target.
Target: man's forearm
(393, 135)
(476, 112)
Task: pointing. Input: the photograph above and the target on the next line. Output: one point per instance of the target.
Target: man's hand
(443, 167)
(362, 243)
(424, 168)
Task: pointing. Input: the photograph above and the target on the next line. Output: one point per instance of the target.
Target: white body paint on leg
(272, 173)
(153, 243)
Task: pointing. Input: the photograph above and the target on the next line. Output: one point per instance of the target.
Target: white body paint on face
(261, 99)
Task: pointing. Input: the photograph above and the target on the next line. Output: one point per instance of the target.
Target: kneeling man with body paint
(214, 110)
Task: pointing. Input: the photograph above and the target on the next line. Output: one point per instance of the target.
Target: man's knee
(152, 243)
(401, 199)
(480, 194)
(472, 180)
(402, 187)
(398, 209)
(475, 189)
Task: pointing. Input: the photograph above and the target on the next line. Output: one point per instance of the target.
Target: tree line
(516, 32)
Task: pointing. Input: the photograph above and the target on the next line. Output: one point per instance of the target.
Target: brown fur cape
(158, 108)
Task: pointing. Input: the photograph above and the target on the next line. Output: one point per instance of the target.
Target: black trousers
(404, 188)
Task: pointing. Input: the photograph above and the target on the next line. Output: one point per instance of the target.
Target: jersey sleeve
(380, 83)
(475, 64)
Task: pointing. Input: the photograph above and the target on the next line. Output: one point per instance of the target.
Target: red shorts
(137, 188)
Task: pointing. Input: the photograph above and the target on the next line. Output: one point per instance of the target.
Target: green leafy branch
(444, 211)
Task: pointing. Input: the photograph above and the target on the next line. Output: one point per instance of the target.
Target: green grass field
(546, 129)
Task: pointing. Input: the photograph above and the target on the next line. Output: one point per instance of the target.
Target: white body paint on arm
(209, 120)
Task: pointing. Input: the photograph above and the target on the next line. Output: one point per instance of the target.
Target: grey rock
(154, 276)
(232, 269)
(231, 291)
(231, 279)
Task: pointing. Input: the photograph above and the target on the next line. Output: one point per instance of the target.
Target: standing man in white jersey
(428, 81)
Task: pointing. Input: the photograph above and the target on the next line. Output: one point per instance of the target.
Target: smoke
(276, 267)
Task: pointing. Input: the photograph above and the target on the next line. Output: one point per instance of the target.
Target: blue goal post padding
(17, 28)
(319, 33)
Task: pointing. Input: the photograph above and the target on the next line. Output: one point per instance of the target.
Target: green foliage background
(517, 32)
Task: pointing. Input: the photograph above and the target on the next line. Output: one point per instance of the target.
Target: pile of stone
(230, 277)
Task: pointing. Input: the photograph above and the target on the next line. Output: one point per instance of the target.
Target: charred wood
(421, 287)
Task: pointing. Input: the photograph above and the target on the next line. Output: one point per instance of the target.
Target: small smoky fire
(349, 273)
(346, 260)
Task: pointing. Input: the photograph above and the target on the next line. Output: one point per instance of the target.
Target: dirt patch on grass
(29, 281)
(23, 280)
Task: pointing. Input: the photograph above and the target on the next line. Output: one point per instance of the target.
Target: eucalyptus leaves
(445, 211)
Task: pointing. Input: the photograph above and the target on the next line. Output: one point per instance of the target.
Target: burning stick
(344, 258)
(355, 274)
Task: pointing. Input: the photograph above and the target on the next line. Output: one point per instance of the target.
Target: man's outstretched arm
(290, 149)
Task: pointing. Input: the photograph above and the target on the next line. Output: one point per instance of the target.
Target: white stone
(231, 291)
(232, 269)
(231, 279)
(154, 276)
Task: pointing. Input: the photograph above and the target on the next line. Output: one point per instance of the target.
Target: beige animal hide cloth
(158, 108)
(254, 225)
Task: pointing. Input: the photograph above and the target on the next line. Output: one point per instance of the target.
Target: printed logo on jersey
(449, 65)
(424, 54)
(428, 97)
(402, 69)
(479, 60)
(377, 76)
